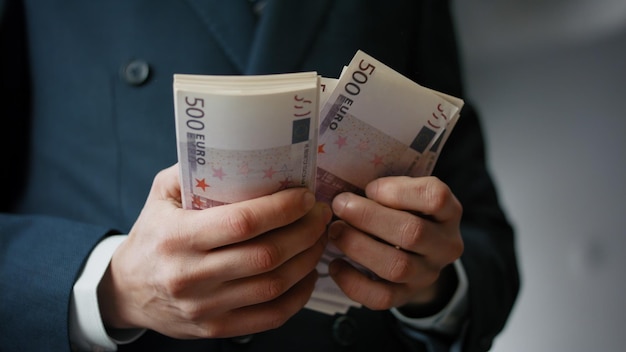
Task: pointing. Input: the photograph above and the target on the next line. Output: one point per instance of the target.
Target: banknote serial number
(194, 119)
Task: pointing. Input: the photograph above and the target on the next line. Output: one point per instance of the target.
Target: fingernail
(333, 268)
(339, 202)
(333, 231)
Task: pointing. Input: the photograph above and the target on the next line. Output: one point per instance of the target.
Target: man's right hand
(226, 271)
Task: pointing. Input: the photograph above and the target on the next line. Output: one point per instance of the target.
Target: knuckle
(458, 247)
(453, 247)
(160, 182)
(366, 216)
(167, 244)
(411, 232)
(159, 178)
(241, 222)
(191, 311)
(174, 285)
(266, 257)
(438, 194)
(399, 268)
(458, 207)
(272, 288)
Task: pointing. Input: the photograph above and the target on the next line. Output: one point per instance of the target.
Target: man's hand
(406, 232)
(225, 271)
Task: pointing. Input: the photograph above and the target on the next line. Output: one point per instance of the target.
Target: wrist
(86, 327)
(109, 309)
(115, 315)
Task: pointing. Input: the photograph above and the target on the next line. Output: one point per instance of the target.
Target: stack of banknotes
(241, 137)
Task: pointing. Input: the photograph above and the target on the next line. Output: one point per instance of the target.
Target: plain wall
(549, 79)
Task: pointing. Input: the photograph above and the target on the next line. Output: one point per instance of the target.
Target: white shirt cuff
(451, 318)
(87, 331)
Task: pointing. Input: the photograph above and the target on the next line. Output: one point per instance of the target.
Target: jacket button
(344, 331)
(242, 340)
(136, 72)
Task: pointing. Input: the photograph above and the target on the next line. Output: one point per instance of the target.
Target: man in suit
(89, 123)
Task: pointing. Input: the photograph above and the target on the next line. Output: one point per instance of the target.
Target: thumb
(166, 185)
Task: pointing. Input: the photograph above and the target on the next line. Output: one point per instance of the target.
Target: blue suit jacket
(89, 121)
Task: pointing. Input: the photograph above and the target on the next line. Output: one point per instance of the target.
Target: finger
(166, 185)
(376, 295)
(261, 317)
(267, 252)
(424, 195)
(387, 262)
(227, 224)
(271, 285)
(396, 227)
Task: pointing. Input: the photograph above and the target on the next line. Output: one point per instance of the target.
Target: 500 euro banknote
(241, 137)
(375, 123)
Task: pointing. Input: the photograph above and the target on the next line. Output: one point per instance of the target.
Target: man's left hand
(405, 231)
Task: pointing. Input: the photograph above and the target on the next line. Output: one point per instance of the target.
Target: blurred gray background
(549, 79)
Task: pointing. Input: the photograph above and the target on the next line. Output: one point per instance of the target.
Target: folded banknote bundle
(241, 137)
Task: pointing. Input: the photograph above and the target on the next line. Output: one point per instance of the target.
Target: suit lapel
(233, 23)
(284, 34)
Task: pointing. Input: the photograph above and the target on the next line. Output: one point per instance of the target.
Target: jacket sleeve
(489, 257)
(40, 257)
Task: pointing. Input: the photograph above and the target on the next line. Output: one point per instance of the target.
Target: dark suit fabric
(81, 141)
